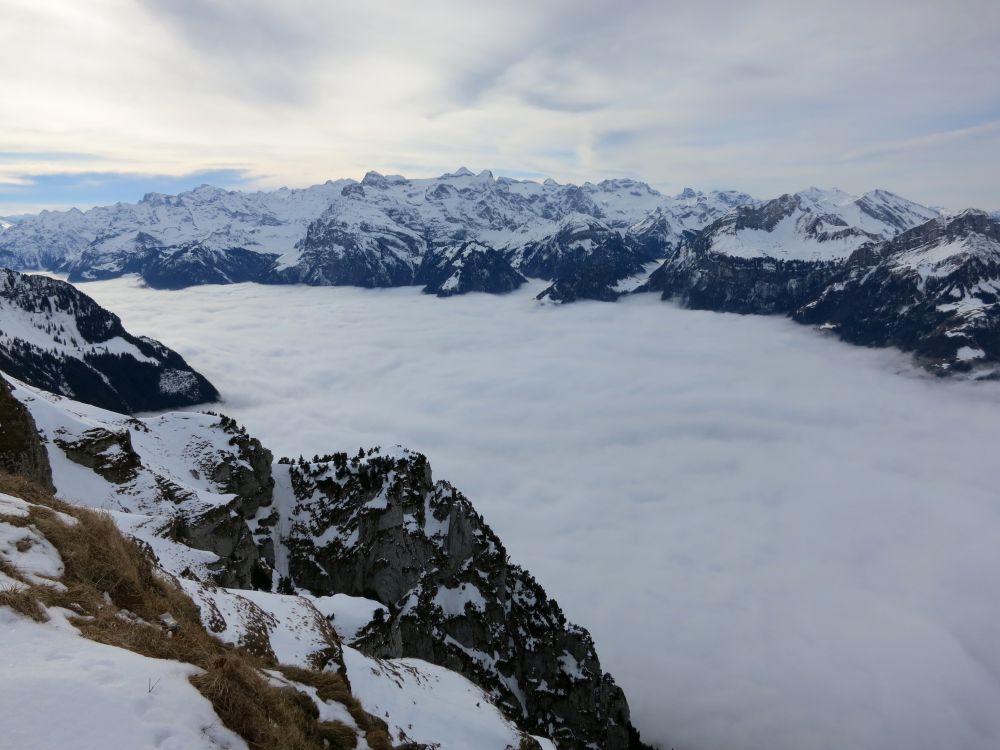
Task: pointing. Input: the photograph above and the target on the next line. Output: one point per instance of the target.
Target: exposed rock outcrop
(22, 451)
(378, 525)
(599, 274)
(702, 280)
(468, 267)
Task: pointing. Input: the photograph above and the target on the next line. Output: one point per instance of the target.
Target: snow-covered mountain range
(361, 562)
(55, 337)
(464, 232)
(369, 233)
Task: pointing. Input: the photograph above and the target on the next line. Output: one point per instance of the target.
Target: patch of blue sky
(88, 189)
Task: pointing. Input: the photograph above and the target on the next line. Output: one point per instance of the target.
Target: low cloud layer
(777, 540)
(766, 97)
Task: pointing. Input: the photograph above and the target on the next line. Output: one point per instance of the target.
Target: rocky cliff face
(377, 525)
(191, 265)
(21, 449)
(336, 253)
(468, 267)
(603, 273)
(933, 290)
(57, 338)
(702, 280)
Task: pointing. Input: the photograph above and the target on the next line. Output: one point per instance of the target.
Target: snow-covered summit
(814, 225)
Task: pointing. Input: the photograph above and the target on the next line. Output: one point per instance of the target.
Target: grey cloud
(261, 47)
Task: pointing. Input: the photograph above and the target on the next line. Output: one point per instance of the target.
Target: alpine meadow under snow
(776, 539)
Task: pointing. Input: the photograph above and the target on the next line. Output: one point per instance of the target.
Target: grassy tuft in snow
(333, 687)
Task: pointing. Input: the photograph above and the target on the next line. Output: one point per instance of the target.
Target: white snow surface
(60, 690)
(14, 507)
(178, 447)
(31, 553)
(170, 445)
(420, 702)
(826, 225)
(454, 601)
(944, 257)
(350, 613)
(785, 241)
(777, 540)
(295, 629)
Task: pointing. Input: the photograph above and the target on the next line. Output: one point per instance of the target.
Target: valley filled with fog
(776, 539)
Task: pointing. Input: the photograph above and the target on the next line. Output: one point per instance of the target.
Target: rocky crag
(210, 502)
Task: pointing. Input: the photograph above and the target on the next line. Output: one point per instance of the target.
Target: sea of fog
(777, 540)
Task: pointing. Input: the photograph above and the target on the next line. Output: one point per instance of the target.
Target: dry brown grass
(338, 735)
(331, 686)
(22, 601)
(265, 716)
(100, 561)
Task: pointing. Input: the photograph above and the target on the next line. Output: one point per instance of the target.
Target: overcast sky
(108, 99)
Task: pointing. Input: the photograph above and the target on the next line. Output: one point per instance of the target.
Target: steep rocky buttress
(378, 525)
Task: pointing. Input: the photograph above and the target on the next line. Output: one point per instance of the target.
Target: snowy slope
(420, 702)
(60, 690)
(174, 475)
(58, 338)
(687, 212)
(814, 225)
